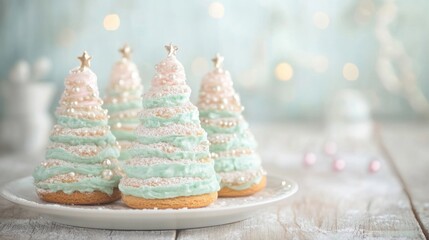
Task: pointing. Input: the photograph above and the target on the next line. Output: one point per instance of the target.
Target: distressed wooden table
(352, 204)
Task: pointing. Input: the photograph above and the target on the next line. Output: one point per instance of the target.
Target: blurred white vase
(27, 122)
(349, 117)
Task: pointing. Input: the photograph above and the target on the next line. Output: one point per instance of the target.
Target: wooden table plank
(40, 228)
(408, 147)
(349, 205)
(18, 223)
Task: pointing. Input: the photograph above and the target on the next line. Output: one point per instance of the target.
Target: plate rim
(6, 194)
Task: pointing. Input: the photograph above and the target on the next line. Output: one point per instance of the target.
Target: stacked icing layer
(171, 155)
(232, 144)
(123, 100)
(82, 152)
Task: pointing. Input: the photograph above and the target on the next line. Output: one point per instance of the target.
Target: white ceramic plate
(118, 216)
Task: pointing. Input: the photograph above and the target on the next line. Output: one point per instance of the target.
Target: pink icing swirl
(169, 72)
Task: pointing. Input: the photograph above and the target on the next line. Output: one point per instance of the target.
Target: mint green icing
(237, 163)
(213, 114)
(235, 129)
(239, 139)
(170, 191)
(185, 142)
(79, 123)
(150, 152)
(244, 185)
(153, 122)
(42, 173)
(124, 135)
(123, 106)
(238, 142)
(76, 140)
(166, 101)
(133, 120)
(62, 154)
(84, 185)
(119, 93)
(125, 154)
(173, 169)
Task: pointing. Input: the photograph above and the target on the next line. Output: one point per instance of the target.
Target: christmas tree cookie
(232, 145)
(170, 165)
(123, 100)
(81, 157)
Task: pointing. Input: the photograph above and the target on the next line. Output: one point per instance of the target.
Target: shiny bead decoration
(107, 162)
(107, 174)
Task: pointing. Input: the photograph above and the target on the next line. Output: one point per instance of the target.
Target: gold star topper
(126, 51)
(85, 60)
(172, 49)
(218, 61)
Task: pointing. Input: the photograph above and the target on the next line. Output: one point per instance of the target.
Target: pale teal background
(253, 36)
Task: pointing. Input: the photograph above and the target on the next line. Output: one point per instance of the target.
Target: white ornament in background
(41, 68)
(26, 123)
(349, 117)
(20, 73)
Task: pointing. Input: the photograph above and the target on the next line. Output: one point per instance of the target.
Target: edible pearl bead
(241, 179)
(309, 159)
(330, 148)
(107, 174)
(374, 166)
(338, 165)
(107, 162)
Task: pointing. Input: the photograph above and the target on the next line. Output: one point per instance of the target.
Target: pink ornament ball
(309, 159)
(374, 166)
(338, 165)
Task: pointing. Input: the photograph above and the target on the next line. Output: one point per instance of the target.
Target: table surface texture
(392, 203)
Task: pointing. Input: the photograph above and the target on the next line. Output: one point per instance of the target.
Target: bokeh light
(283, 71)
(111, 22)
(321, 20)
(350, 72)
(216, 10)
